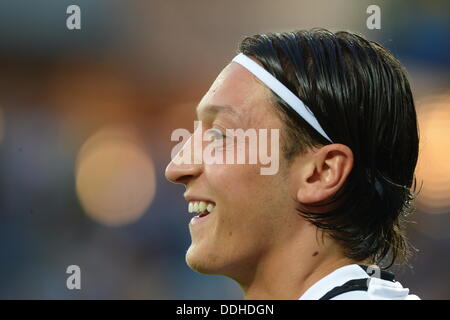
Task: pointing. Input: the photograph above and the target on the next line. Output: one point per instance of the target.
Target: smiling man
(347, 154)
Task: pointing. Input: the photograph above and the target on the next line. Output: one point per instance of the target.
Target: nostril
(178, 175)
(184, 179)
(182, 173)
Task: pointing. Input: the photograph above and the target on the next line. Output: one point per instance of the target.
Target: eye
(216, 134)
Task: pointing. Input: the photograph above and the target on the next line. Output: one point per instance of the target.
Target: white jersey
(372, 288)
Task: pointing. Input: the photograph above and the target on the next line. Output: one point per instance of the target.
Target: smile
(203, 208)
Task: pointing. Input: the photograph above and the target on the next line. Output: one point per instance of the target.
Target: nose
(182, 173)
(183, 168)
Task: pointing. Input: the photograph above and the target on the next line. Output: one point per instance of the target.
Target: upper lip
(189, 197)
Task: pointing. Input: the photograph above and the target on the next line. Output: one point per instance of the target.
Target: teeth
(200, 207)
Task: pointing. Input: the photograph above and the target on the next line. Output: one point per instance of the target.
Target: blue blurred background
(85, 123)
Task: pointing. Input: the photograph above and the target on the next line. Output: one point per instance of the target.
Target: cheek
(248, 220)
(235, 183)
(246, 199)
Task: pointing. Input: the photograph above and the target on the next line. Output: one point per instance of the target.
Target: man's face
(253, 212)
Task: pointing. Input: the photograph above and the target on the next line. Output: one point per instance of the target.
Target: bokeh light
(115, 177)
(433, 169)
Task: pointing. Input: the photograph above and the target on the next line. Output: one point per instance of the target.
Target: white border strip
(284, 93)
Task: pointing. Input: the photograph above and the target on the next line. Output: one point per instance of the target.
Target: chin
(198, 261)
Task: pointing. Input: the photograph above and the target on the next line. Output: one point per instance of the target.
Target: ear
(322, 173)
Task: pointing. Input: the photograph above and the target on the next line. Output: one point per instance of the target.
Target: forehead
(236, 88)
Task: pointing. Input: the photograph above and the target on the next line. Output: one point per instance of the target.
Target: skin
(255, 234)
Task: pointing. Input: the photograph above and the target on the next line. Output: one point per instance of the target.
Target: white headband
(284, 93)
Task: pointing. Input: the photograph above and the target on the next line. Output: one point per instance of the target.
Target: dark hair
(361, 97)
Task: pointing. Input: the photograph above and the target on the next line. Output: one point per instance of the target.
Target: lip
(189, 197)
(196, 220)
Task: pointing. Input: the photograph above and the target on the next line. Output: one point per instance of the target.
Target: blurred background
(85, 123)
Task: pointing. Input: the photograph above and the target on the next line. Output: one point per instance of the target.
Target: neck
(288, 270)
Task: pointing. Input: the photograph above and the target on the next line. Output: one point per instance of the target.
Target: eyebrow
(213, 110)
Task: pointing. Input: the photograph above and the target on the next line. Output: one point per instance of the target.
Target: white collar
(336, 278)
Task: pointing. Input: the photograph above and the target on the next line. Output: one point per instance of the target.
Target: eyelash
(219, 134)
